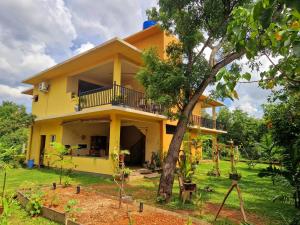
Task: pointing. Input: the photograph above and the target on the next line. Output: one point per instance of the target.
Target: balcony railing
(205, 122)
(120, 96)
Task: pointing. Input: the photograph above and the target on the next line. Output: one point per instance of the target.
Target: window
(35, 98)
(170, 129)
(52, 138)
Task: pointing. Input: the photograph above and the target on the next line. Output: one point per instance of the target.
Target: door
(42, 150)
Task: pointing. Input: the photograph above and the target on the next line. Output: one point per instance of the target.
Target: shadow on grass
(82, 178)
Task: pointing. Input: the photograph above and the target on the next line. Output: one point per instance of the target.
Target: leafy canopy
(186, 72)
(14, 123)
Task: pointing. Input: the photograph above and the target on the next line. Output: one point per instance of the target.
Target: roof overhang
(28, 91)
(89, 59)
(209, 102)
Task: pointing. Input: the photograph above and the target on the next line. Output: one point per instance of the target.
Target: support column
(214, 117)
(29, 143)
(216, 154)
(114, 134)
(117, 70)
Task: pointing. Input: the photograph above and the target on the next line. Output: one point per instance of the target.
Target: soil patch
(96, 208)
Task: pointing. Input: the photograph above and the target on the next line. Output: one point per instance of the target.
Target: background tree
(283, 120)
(14, 123)
(244, 130)
(229, 29)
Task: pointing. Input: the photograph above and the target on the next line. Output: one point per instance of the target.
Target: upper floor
(104, 76)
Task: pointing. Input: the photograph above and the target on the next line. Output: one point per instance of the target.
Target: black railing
(205, 122)
(118, 95)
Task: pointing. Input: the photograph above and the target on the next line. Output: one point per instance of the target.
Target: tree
(283, 120)
(8, 159)
(179, 81)
(270, 151)
(244, 130)
(14, 123)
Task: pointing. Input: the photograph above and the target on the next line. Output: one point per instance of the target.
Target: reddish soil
(234, 215)
(98, 209)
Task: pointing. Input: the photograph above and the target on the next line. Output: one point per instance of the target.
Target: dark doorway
(42, 150)
(133, 140)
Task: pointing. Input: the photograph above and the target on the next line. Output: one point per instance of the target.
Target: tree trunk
(4, 184)
(169, 166)
(60, 175)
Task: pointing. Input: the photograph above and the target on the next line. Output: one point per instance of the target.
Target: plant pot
(190, 186)
(121, 158)
(234, 176)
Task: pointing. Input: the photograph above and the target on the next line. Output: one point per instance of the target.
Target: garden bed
(95, 208)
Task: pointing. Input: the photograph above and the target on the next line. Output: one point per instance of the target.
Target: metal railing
(205, 122)
(118, 95)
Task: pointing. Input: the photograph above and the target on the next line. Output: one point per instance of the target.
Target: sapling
(59, 154)
(8, 159)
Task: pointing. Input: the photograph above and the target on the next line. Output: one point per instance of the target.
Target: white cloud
(251, 95)
(102, 20)
(35, 34)
(84, 47)
(32, 33)
(8, 93)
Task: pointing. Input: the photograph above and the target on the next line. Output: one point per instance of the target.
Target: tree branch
(226, 60)
(282, 72)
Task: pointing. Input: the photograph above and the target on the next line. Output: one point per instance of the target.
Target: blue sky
(37, 34)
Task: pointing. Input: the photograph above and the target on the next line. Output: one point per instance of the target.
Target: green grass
(257, 192)
(23, 177)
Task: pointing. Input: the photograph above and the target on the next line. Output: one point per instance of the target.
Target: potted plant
(126, 172)
(235, 176)
(122, 155)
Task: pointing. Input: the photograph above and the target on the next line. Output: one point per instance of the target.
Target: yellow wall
(155, 40)
(87, 164)
(54, 102)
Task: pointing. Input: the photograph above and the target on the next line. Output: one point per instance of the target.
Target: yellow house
(93, 100)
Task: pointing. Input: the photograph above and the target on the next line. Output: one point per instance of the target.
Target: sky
(37, 34)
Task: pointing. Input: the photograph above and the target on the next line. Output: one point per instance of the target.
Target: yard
(257, 194)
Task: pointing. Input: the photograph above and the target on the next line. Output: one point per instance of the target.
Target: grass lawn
(257, 192)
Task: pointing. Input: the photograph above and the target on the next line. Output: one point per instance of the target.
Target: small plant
(185, 162)
(54, 201)
(67, 182)
(59, 155)
(35, 203)
(201, 198)
(127, 172)
(160, 199)
(6, 204)
(70, 209)
(130, 222)
(189, 221)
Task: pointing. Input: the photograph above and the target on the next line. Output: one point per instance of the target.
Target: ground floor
(97, 136)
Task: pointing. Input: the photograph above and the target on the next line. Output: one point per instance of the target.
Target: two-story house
(93, 100)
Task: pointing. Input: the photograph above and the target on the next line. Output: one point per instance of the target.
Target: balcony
(207, 123)
(118, 95)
